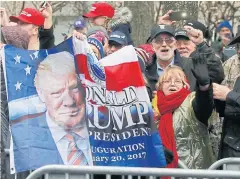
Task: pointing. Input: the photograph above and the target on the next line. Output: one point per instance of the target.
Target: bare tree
(158, 9)
(214, 12)
(13, 7)
(143, 19)
(56, 5)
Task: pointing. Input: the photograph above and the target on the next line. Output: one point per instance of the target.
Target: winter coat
(223, 52)
(190, 123)
(121, 22)
(230, 143)
(214, 64)
(231, 70)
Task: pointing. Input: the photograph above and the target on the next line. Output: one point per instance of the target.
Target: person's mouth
(172, 89)
(71, 113)
(183, 51)
(164, 51)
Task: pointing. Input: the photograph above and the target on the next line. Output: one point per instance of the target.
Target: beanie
(224, 24)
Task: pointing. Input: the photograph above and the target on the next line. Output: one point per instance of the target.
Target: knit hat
(97, 40)
(95, 29)
(122, 15)
(224, 24)
(148, 49)
(14, 35)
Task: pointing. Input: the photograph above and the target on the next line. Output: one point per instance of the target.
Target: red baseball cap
(30, 16)
(100, 9)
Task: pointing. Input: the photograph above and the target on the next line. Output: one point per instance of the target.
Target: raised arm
(203, 102)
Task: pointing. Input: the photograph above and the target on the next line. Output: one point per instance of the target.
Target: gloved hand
(200, 70)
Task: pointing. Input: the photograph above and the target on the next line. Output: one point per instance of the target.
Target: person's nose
(113, 49)
(172, 82)
(181, 46)
(68, 99)
(164, 43)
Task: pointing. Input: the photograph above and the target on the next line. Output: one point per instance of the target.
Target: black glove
(200, 71)
(168, 155)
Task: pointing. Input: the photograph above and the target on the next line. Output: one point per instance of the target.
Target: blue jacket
(37, 136)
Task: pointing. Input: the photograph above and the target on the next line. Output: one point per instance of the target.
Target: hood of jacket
(122, 15)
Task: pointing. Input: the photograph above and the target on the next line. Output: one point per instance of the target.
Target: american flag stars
(17, 59)
(28, 70)
(18, 86)
(34, 55)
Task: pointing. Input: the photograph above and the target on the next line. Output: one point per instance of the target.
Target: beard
(167, 57)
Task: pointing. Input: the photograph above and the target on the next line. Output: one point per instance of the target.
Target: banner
(66, 107)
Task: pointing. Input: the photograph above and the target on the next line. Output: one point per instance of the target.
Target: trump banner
(66, 107)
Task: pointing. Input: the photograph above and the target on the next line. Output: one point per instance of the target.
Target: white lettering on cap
(162, 26)
(78, 23)
(93, 9)
(118, 36)
(181, 33)
(190, 23)
(26, 14)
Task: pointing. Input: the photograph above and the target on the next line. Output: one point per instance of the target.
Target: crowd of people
(190, 83)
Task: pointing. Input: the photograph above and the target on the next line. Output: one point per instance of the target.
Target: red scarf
(167, 105)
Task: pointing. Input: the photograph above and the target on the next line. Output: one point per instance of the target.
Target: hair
(174, 69)
(60, 63)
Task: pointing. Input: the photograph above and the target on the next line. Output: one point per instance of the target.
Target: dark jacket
(127, 30)
(121, 22)
(214, 65)
(46, 38)
(215, 68)
(230, 143)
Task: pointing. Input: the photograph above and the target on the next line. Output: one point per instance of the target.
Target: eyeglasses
(160, 41)
(177, 82)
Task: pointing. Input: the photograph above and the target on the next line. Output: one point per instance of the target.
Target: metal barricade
(227, 163)
(86, 172)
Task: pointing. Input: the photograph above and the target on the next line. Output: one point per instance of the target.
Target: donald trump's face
(63, 99)
(62, 93)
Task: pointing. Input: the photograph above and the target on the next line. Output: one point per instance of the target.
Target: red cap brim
(90, 15)
(16, 19)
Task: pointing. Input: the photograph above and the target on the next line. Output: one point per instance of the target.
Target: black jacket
(214, 64)
(203, 104)
(46, 38)
(127, 30)
(230, 143)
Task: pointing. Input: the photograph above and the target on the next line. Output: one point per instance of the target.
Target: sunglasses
(160, 40)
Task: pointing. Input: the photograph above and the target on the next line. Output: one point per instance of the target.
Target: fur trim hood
(122, 15)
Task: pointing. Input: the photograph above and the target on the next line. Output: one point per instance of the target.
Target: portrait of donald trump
(59, 135)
